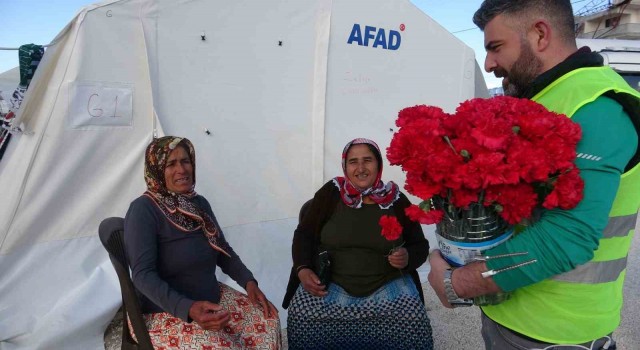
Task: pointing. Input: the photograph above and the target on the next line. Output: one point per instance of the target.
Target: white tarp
(9, 81)
(280, 85)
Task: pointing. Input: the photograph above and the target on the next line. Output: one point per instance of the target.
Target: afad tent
(268, 91)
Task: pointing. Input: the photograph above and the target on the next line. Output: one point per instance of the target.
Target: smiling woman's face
(178, 174)
(362, 166)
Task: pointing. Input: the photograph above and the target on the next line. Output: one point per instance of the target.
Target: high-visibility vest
(582, 304)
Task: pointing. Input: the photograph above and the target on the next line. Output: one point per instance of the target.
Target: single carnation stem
(448, 141)
(451, 209)
(395, 248)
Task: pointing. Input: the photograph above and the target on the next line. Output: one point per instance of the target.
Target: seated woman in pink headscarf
(372, 298)
(173, 244)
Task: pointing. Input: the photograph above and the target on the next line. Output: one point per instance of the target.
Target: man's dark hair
(558, 12)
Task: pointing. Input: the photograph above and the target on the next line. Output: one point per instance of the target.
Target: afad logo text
(375, 37)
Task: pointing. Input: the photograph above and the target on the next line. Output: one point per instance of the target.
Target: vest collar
(582, 58)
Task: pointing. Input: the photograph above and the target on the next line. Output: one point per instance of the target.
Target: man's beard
(523, 72)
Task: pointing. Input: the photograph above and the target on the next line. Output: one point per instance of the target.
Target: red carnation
(516, 202)
(567, 191)
(410, 115)
(415, 213)
(499, 150)
(391, 228)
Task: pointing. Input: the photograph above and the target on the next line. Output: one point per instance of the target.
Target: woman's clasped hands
(208, 315)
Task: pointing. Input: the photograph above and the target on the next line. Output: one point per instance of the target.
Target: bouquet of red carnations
(504, 153)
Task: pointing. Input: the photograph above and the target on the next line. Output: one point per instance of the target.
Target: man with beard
(573, 294)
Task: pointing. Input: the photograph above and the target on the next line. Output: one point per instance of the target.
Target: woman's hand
(311, 282)
(399, 258)
(257, 297)
(208, 315)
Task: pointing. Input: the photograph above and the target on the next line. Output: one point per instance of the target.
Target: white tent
(9, 81)
(280, 85)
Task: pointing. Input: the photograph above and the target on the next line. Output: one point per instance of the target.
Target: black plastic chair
(111, 233)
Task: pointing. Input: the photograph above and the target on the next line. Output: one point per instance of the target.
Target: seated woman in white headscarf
(372, 298)
(173, 244)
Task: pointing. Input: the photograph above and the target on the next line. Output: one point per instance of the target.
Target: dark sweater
(306, 238)
(172, 268)
(358, 251)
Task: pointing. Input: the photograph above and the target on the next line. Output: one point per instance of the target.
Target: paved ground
(459, 329)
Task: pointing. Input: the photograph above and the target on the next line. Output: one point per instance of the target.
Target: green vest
(582, 304)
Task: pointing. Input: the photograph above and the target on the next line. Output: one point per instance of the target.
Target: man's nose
(489, 64)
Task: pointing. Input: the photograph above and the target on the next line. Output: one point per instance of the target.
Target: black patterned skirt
(391, 318)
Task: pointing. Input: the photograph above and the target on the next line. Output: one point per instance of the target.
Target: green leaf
(425, 205)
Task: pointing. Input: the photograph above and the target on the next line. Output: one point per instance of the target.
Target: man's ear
(540, 35)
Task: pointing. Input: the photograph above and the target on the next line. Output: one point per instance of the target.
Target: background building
(608, 19)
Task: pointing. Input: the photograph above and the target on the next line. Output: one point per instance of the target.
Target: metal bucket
(465, 233)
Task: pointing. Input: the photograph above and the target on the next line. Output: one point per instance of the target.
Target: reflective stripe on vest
(603, 271)
(619, 226)
(595, 272)
(591, 294)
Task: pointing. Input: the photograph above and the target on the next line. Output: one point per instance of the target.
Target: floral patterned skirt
(247, 329)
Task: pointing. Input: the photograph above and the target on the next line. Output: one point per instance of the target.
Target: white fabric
(276, 85)
(9, 81)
